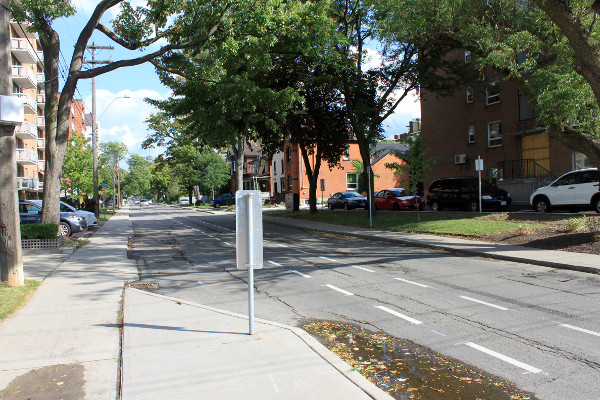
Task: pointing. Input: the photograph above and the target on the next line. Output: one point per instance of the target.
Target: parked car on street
(70, 223)
(144, 202)
(347, 201)
(90, 217)
(463, 193)
(574, 191)
(397, 199)
(222, 201)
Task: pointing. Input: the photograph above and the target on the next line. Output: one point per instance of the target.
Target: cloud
(121, 117)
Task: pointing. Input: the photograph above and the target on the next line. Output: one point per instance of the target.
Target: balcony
(29, 102)
(40, 186)
(27, 157)
(40, 58)
(26, 131)
(42, 143)
(27, 184)
(41, 98)
(41, 121)
(24, 77)
(22, 51)
(41, 166)
(40, 78)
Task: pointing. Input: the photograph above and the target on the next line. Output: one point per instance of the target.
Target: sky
(121, 110)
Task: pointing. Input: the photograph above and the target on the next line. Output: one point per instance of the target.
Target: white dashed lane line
(299, 273)
(274, 263)
(484, 303)
(504, 358)
(580, 329)
(412, 283)
(340, 290)
(362, 268)
(397, 314)
(328, 259)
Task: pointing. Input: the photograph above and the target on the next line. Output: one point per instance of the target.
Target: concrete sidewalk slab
(72, 319)
(179, 350)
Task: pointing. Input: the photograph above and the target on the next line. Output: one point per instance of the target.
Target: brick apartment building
(343, 178)
(492, 120)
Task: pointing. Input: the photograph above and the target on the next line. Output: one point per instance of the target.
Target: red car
(397, 199)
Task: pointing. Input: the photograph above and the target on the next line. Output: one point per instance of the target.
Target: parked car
(347, 201)
(69, 222)
(463, 192)
(222, 201)
(397, 199)
(576, 190)
(90, 217)
(144, 202)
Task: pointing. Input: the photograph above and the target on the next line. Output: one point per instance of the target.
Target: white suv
(576, 190)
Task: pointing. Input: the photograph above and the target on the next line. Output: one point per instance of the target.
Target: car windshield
(399, 193)
(351, 194)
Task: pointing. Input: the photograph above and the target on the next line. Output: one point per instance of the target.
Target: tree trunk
(11, 261)
(313, 176)
(239, 162)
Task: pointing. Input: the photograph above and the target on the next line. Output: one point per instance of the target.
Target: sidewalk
(547, 258)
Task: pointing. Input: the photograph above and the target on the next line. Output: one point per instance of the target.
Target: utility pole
(93, 64)
(11, 256)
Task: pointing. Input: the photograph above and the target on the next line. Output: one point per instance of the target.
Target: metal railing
(27, 183)
(525, 169)
(27, 155)
(28, 101)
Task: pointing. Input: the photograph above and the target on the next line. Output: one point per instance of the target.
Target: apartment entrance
(536, 147)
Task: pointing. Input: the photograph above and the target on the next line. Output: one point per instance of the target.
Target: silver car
(89, 217)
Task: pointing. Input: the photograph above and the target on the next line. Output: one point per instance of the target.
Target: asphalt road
(534, 326)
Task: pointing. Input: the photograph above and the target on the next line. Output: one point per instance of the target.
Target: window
(274, 168)
(282, 184)
(581, 161)
(492, 92)
(589, 177)
(351, 181)
(496, 174)
(469, 94)
(274, 187)
(471, 134)
(467, 56)
(346, 156)
(288, 155)
(289, 183)
(494, 134)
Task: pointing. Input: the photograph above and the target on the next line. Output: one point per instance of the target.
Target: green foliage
(416, 164)
(39, 231)
(137, 182)
(37, 11)
(77, 168)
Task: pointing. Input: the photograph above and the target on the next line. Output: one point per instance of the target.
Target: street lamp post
(95, 145)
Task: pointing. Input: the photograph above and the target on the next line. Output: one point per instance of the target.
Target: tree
(416, 165)
(227, 93)
(547, 48)
(138, 180)
(212, 170)
(77, 168)
(192, 23)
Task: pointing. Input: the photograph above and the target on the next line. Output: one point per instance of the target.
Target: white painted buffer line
(580, 329)
(302, 251)
(504, 358)
(397, 314)
(364, 269)
(299, 273)
(411, 282)
(340, 290)
(274, 263)
(484, 303)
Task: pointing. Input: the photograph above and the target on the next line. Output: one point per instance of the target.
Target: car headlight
(486, 197)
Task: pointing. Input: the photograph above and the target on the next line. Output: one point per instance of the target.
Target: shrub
(39, 231)
(576, 224)
(524, 230)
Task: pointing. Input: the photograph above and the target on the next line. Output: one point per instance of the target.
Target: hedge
(39, 231)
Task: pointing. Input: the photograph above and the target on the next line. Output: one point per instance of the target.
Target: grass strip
(13, 298)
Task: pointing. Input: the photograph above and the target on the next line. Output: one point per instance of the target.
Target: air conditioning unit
(460, 159)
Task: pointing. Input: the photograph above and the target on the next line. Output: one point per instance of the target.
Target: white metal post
(369, 197)
(479, 168)
(250, 268)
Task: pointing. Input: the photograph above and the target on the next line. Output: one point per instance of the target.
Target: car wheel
(473, 206)
(346, 206)
(217, 205)
(64, 229)
(596, 203)
(396, 207)
(435, 206)
(541, 205)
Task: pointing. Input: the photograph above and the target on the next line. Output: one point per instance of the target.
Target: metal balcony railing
(24, 183)
(27, 156)
(23, 51)
(24, 76)
(26, 131)
(30, 103)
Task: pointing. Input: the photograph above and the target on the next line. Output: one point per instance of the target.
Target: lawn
(12, 298)
(444, 223)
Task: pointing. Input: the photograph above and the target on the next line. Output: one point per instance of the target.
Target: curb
(341, 366)
(450, 249)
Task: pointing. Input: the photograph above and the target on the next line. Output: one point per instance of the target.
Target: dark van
(463, 192)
